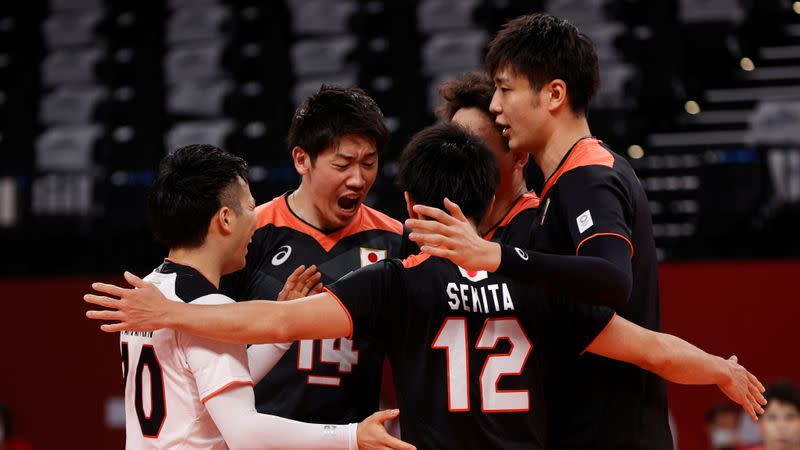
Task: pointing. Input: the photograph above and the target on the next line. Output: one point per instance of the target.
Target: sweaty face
(482, 125)
(519, 111)
(339, 180)
(780, 426)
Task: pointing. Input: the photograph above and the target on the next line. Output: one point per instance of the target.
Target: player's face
(482, 125)
(780, 426)
(340, 179)
(519, 111)
(243, 226)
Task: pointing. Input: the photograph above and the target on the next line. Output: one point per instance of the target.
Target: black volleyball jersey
(597, 402)
(516, 225)
(329, 380)
(463, 347)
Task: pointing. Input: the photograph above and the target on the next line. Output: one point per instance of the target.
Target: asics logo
(283, 254)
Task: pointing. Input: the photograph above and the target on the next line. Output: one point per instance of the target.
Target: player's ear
(410, 206)
(555, 94)
(302, 160)
(224, 218)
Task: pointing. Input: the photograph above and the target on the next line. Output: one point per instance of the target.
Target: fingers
(135, 281)
(105, 315)
(114, 327)
(110, 289)
(101, 300)
(439, 252)
(435, 214)
(316, 289)
(305, 278)
(455, 210)
(750, 409)
(427, 227)
(754, 390)
(388, 414)
(292, 280)
(392, 442)
(432, 240)
(734, 359)
(756, 381)
(312, 282)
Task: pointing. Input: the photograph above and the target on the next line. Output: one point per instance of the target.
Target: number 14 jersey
(329, 380)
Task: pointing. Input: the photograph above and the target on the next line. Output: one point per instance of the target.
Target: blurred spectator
(8, 440)
(722, 427)
(780, 424)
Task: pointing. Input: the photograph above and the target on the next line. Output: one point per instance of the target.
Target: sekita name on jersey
(483, 299)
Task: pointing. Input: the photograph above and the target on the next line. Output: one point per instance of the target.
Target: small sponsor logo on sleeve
(522, 253)
(585, 221)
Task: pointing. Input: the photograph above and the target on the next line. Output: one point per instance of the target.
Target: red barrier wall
(58, 369)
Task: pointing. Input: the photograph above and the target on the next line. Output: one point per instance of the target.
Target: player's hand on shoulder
(372, 434)
(743, 388)
(453, 237)
(143, 308)
(304, 281)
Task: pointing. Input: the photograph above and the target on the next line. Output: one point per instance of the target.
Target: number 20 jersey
(170, 375)
(465, 348)
(329, 380)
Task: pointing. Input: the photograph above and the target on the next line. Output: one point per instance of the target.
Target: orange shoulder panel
(587, 152)
(375, 220)
(273, 212)
(526, 201)
(415, 260)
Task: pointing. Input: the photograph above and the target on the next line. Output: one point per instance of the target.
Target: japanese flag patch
(584, 221)
(371, 255)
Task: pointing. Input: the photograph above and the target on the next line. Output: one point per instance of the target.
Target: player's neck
(302, 205)
(201, 260)
(564, 136)
(503, 201)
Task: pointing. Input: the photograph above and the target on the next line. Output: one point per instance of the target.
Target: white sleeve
(233, 411)
(263, 357)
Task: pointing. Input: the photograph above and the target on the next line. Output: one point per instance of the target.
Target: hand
(301, 283)
(453, 237)
(143, 308)
(743, 388)
(372, 434)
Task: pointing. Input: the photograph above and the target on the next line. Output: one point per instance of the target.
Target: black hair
(444, 160)
(719, 409)
(785, 391)
(472, 90)
(543, 48)
(192, 184)
(332, 113)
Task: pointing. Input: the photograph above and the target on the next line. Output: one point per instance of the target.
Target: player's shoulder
(213, 299)
(273, 212)
(181, 282)
(372, 219)
(589, 163)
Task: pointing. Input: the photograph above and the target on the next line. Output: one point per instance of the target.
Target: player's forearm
(238, 323)
(262, 358)
(678, 361)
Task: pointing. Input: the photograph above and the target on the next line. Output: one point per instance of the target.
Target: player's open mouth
(348, 203)
(504, 130)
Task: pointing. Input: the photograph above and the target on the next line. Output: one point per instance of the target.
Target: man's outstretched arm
(678, 361)
(145, 308)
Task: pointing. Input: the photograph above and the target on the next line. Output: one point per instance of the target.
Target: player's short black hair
(472, 90)
(718, 409)
(332, 113)
(192, 184)
(785, 391)
(543, 48)
(445, 160)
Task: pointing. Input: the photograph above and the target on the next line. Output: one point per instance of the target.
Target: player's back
(169, 375)
(463, 348)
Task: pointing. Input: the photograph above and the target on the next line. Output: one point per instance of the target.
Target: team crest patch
(584, 221)
(473, 275)
(371, 255)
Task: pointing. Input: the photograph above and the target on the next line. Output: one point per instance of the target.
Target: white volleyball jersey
(169, 375)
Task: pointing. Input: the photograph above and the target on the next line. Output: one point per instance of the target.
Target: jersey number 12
(452, 337)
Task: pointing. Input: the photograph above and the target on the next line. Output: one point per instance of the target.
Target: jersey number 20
(452, 337)
(150, 424)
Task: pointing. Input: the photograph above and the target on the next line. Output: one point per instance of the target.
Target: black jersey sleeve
(595, 201)
(572, 326)
(368, 294)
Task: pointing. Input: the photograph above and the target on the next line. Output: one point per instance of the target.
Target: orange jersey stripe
(630, 244)
(277, 213)
(224, 388)
(525, 201)
(587, 152)
(415, 260)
